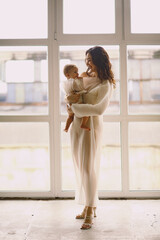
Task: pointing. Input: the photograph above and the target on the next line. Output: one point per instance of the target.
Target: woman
(86, 145)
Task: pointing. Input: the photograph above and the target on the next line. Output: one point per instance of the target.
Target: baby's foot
(85, 127)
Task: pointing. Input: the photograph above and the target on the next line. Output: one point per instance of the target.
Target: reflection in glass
(23, 80)
(145, 17)
(110, 169)
(68, 174)
(76, 55)
(144, 79)
(24, 156)
(23, 19)
(90, 18)
(144, 155)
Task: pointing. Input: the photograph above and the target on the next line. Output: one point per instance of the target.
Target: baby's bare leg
(84, 122)
(68, 122)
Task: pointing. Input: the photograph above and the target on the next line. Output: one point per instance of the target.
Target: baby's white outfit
(72, 86)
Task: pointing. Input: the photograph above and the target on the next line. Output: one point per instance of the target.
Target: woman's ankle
(89, 210)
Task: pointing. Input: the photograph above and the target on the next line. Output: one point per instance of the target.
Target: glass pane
(92, 18)
(68, 174)
(76, 55)
(144, 155)
(23, 19)
(110, 172)
(144, 79)
(23, 80)
(145, 17)
(24, 156)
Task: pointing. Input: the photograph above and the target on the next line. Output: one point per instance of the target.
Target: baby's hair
(68, 67)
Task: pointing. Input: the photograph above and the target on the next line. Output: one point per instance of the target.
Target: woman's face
(90, 64)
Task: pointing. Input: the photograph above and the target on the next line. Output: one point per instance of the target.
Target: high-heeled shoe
(87, 222)
(83, 214)
(94, 210)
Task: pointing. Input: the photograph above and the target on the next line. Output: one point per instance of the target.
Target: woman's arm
(104, 96)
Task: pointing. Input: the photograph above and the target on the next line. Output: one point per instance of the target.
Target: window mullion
(119, 19)
(123, 81)
(124, 115)
(53, 112)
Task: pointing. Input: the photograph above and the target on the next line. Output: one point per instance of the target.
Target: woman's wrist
(72, 98)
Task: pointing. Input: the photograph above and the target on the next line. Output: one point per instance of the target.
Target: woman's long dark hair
(101, 60)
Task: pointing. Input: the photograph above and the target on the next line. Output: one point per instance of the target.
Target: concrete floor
(55, 220)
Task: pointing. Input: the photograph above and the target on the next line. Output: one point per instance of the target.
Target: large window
(25, 153)
(37, 39)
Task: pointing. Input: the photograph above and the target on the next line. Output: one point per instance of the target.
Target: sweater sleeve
(102, 102)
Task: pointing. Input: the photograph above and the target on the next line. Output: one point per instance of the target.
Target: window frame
(87, 39)
(122, 37)
(48, 118)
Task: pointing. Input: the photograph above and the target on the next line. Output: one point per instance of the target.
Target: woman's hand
(72, 98)
(84, 74)
(88, 73)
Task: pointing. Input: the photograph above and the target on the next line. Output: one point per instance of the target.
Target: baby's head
(71, 71)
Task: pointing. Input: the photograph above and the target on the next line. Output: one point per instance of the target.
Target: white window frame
(52, 105)
(88, 39)
(56, 38)
(122, 37)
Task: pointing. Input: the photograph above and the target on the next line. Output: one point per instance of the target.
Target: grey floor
(55, 220)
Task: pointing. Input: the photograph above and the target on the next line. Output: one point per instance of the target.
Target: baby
(74, 84)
